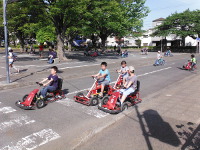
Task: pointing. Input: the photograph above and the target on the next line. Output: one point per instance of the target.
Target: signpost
(6, 40)
(5, 2)
(198, 45)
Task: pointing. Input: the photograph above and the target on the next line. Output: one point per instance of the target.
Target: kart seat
(137, 90)
(60, 81)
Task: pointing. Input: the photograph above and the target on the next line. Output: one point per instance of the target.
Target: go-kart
(112, 104)
(124, 54)
(188, 66)
(159, 62)
(166, 54)
(33, 100)
(119, 83)
(92, 97)
(144, 52)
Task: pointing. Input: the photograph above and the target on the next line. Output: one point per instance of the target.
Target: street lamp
(5, 2)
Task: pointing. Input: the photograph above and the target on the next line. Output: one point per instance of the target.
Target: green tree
(64, 14)
(21, 16)
(46, 34)
(182, 24)
(115, 17)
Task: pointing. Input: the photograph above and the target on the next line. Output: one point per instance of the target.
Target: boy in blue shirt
(103, 76)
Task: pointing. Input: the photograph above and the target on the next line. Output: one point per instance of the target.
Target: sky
(164, 8)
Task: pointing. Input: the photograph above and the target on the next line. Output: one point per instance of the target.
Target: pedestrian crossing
(89, 110)
(12, 121)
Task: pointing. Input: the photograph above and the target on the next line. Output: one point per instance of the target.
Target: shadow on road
(157, 128)
(191, 135)
(81, 57)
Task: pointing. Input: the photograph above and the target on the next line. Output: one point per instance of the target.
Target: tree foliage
(47, 20)
(115, 17)
(182, 24)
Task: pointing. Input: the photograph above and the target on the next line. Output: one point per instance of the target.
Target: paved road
(61, 125)
(167, 120)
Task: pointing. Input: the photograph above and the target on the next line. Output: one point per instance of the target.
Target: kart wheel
(94, 101)
(79, 95)
(124, 106)
(105, 100)
(24, 98)
(40, 103)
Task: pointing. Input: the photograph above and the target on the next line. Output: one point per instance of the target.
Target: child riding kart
(125, 54)
(159, 61)
(192, 64)
(122, 99)
(168, 53)
(99, 89)
(51, 92)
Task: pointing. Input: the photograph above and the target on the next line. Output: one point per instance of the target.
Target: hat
(131, 68)
(9, 48)
(158, 51)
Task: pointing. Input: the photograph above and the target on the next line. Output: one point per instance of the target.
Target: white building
(148, 40)
(172, 40)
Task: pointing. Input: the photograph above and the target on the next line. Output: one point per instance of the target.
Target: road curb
(98, 128)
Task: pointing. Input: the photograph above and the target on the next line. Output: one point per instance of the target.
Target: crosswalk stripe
(93, 111)
(15, 123)
(6, 110)
(33, 141)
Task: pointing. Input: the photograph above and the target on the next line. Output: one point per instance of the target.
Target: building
(148, 40)
(171, 40)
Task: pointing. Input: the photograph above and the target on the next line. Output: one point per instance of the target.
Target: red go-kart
(92, 97)
(111, 104)
(29, 101)
(188, 66)
(119, 83)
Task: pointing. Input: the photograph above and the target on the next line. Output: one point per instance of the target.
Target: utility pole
(161, 45)
(6, 40)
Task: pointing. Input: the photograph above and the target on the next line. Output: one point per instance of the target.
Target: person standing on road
(41, 48)
(12, 58)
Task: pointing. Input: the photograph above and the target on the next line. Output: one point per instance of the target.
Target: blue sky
(163, 8)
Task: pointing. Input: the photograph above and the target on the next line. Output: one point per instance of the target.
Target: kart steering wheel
(40, 84)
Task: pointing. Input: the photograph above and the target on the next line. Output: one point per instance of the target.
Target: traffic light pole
(6, 40)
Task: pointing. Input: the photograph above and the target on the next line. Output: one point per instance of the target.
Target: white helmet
(9, 48)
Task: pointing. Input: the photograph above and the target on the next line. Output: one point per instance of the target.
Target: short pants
(104, 82)
(10, 62)
(125, 75)
(127, 91)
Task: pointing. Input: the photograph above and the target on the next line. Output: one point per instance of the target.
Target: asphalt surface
(61, 124)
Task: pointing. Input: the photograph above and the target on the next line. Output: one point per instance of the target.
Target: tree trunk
(60, 48)
(183, 41)
(103, 42)
(69, 44)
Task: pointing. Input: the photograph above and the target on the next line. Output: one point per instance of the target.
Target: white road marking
(6, 110)
(15, 123)
(93, 111)
(78, 66)
(47, 65)
(154, 72)
(33, 141)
